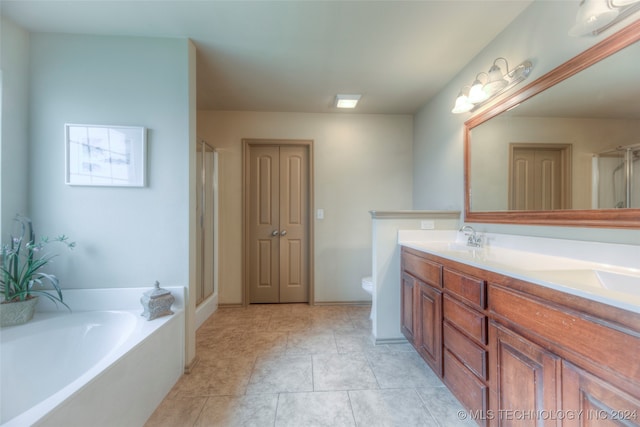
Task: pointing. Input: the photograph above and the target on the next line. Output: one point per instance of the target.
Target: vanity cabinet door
(525, 381)
(428, 338)
(589, 401)
(407, 296)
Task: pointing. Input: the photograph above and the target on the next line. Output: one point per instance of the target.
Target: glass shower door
(616, 179)
(207, 188)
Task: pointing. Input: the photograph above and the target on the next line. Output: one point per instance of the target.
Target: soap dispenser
(157, 302)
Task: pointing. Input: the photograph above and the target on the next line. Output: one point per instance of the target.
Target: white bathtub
(99, 367)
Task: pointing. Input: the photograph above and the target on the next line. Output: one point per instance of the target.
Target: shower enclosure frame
(627, 165)
(207, 223)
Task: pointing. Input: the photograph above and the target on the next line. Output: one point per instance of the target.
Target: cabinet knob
(283, 233)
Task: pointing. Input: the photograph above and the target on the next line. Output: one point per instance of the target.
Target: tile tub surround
(300, 365)
(564, 265)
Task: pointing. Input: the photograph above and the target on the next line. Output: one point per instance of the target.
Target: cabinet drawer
(604, 343)
(470, 289)
(427, 271)
(465, 386)
(466, 319)
(472, 355)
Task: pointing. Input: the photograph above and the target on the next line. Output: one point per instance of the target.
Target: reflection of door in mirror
(539, 176)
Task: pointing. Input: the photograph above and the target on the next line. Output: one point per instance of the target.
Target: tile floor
(300, 365)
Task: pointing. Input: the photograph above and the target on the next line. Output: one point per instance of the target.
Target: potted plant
(21, 278)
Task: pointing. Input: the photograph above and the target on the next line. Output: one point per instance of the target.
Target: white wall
(538, 34)
(362, 163)
(126, 236)
(14, 134)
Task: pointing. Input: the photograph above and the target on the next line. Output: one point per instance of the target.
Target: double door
(278, 223)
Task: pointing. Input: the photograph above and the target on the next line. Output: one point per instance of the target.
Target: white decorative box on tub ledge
(103, 364)
(603, 272)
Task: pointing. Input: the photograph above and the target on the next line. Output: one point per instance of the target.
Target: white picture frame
(105, 155)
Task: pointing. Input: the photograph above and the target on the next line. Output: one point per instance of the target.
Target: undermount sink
(619, 282)
(600, 279)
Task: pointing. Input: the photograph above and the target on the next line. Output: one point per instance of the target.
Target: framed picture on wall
(98, 155)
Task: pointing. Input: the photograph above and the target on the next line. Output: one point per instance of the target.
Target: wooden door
(539, 177)
(278, 223)
(592, 402)
(408, 291)
(429, 326)
(526, 378)
(294, 214)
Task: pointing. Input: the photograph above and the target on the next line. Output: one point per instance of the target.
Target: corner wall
(14, 125)
(126, 237)
(361, 163)
(538, 34)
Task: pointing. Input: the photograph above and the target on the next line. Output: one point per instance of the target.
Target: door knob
(283, 233)
(274, 233)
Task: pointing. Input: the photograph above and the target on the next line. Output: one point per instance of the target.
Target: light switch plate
(320, 214)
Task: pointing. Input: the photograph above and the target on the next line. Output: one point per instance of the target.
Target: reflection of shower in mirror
(616, 178)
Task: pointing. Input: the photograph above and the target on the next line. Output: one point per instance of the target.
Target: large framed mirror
(565, 149)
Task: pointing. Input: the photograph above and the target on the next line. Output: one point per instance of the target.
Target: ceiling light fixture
(595, 16)
(497, 82)
(347, 101)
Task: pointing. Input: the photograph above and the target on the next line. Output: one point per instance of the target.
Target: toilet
(367, 285)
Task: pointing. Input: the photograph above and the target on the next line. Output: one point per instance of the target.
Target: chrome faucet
(473, 239)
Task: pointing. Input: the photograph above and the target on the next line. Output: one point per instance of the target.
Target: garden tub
(96, 367)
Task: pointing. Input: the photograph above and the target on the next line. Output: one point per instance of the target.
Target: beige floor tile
(320, 409)
(216, 377)
(357, 341)
(247, 411)
(311, 343)
(445, 408)
(390, 408)
(282, 373)
(176, 412)
(289, 323)
(401, 370)
(303, 366)
(348, 371)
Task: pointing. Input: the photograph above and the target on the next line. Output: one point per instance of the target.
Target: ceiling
(295, 56)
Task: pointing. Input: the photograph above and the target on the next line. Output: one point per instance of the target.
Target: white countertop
(603, 272)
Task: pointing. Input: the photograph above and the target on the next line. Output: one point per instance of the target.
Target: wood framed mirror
(601, 123)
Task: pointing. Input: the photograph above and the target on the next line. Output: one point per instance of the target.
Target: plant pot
(17, 313)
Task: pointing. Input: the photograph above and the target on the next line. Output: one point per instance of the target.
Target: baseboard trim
(390, 341)
(189, 368)
(352, 303)
(230, 305)
(348, 303)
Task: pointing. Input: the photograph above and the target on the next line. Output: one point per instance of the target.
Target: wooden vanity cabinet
(407, 298)
(564, 355)
(421, 308)
(465, 339)
(526, 379)
(517, 353)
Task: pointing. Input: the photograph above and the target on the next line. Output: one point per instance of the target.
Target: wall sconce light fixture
(497, 82)
(462, 104)
(595, 16)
